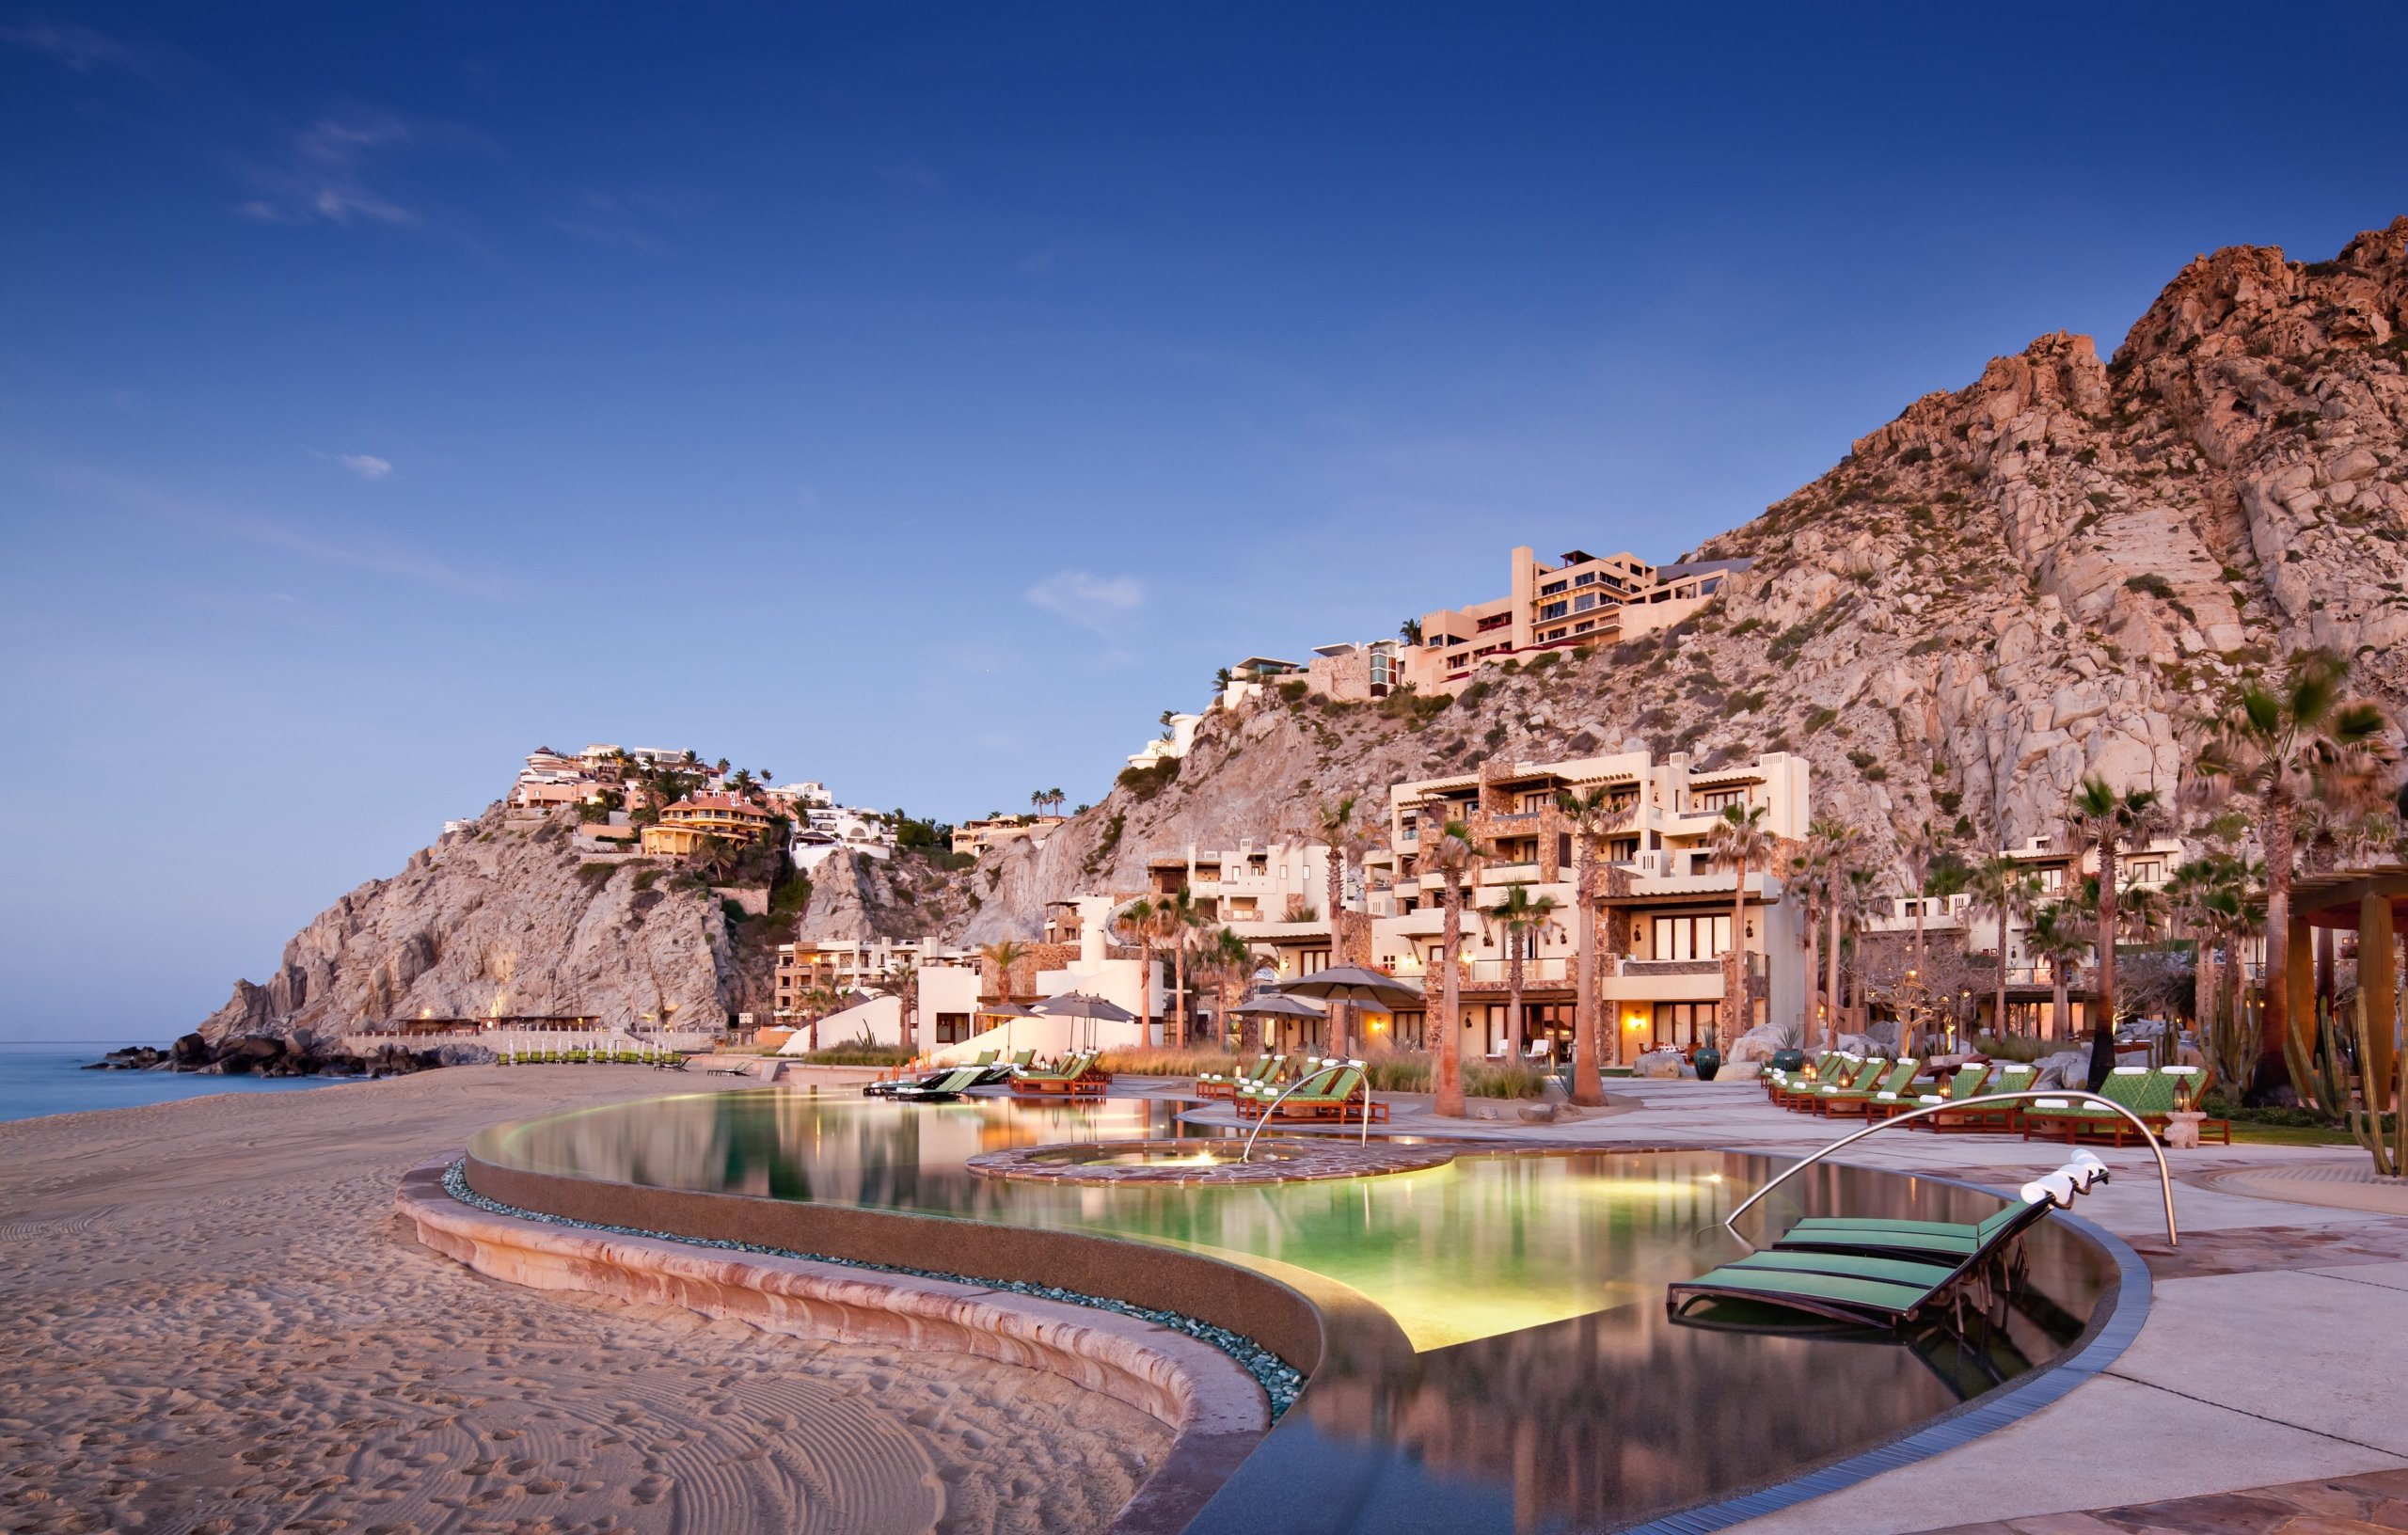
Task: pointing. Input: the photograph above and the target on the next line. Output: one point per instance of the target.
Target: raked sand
(213, 1321)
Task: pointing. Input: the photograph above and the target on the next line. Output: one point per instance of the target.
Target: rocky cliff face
(2047, 573)
(2051, 572)
(495, 917)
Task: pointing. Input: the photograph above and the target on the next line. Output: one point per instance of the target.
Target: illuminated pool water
(1539, 1384)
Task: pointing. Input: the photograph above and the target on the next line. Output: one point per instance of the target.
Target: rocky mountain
(2047, 573)
(2051, 572)
(501, 916)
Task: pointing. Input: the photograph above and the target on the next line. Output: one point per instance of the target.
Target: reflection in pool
(1544, 1386)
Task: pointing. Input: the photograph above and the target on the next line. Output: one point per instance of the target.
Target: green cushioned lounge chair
(1931, 1241)
(1848, 1102)
(1986, 1117)
(1849, 1075)
(1885, 1288)
(1963, 1082)
(2133, 1087)
(952, 1084)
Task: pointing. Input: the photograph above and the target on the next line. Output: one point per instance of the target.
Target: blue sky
(923, 399)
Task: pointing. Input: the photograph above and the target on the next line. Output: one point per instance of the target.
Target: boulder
(1861, 1044)
(1740, 1071)
(2066, 1068)
(243, 1057)
(1761, 1043)
(189, 1054)
(1659, 1064)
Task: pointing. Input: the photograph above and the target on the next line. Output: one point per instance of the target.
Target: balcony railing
(1551, 970)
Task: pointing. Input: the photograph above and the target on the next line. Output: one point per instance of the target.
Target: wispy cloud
(627, 220)
(325, 171)
(1089, 600)
(368, 553)
(79, 48)
(366, 465)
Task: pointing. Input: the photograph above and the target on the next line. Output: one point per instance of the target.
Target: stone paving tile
(2369, 1240)
(2363, 1505)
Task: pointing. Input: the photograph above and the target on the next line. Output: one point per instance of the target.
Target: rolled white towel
(2088, 1172)
(2057, 1189)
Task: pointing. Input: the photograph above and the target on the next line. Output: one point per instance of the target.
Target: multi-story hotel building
(1581, 599)
(1664, 922)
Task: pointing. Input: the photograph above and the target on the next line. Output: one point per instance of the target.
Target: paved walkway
(2270, 1365)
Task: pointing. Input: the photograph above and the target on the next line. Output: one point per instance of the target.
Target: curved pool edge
(1301, 1325)
(2113, 1326)
(1214, 1409)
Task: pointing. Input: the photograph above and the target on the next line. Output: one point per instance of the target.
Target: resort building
(1962, 923)
(824, 831)
(1581, 599)
(683, 826)
(1179, 734)
(1252, 677)
(1281, 883)
(1665, 921)
(976, 837)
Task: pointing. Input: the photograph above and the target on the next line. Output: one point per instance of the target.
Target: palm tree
(1521, 917)
(1136, 919)
(2004, 888)
(1346, 837)
(1831, 848)
(2106, 818)
(1181, 929)
(818, 1001)
(2278, 744)
(1738, 839)
(1056, 799)
(2055, 934)
(1924, 851)
(1593, 814)
(1002, 955)
(1447, 855)
(1226, 959)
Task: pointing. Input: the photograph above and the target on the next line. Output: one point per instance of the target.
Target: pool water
(1543, 1386)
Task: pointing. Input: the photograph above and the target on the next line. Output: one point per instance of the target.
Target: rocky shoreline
(267, 1055)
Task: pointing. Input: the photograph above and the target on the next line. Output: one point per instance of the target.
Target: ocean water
(38, 1077)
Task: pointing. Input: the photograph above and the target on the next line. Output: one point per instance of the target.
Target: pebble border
(1280, 1381)
(1292, 1161)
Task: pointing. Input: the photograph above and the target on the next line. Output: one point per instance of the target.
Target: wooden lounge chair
(1965, 1082)
(1774, 1080)
(1337, 1098)
(1077, 1078)
(951, 1085)
(1215, 1085)
(1893, 1077)
(1874, 1273)
(1986, 1117)
(2134, 1087)
(1850, 1071)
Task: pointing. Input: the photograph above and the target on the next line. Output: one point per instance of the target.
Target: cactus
(2319, 1074)
(2388, 1145)
(2230, 1041)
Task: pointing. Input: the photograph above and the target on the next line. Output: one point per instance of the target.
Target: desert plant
(1738, 839)
(2378, 1119)
(2318, 1073)
(1522, 917)
(2230, 1039)
(1446, 855)
(1166, 1062)
(1593, 814)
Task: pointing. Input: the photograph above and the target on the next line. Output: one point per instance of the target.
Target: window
(1550, 589)
(1715, 800)
(2145, 871)
(1587, 578)
(1554, 610)
(1684, 1024)
(952, 1028)
(1457, 658)
(1584, 627)
(1692, 938)
(1582, 603)
(2053, 880)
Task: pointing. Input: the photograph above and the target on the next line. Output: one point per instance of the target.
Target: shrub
(858, 1052)
(1166, 1062)
(1293, 693)
(1916, 454)
(2021, 1048)
(1145, 783)
(1472, 694)
(595, 875)
(733, 912)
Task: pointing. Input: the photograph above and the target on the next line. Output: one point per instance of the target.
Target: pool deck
(2260, 1395)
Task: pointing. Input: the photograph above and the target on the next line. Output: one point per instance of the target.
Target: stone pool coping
(1248, 1302)
(1215, 1410)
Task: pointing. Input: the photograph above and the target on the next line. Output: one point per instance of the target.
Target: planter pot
(1707, 1062)
(1788, 1060)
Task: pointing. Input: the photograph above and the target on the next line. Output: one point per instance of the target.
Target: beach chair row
(1331, 1089)
(1842, 1086)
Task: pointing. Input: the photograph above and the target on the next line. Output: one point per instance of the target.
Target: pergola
(2371, 902)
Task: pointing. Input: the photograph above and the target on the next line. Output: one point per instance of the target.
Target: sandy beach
(217, 1324)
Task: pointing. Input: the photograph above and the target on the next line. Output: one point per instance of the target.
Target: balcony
(1544, 970)
(1506, 874)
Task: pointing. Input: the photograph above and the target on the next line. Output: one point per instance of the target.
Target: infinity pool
(1542, 1385)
